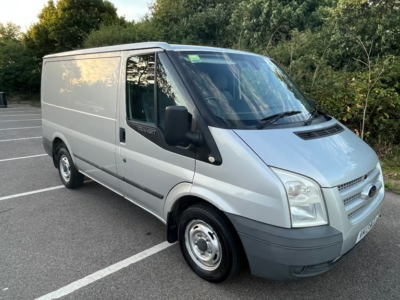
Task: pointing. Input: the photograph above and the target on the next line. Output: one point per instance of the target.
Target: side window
(140, 88)
(170, 91)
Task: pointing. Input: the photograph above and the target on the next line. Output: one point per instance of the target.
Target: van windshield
(243, 89)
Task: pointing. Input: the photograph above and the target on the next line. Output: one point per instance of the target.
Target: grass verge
(391, 170)
(33, 100)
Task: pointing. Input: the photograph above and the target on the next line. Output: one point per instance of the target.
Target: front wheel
(209, 243)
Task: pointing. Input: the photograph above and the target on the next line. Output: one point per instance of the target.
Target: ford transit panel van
(221, 146)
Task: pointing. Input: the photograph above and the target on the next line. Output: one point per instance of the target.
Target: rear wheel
(69, 175)
(209, 243)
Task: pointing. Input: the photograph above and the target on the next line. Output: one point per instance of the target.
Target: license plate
(366, 229)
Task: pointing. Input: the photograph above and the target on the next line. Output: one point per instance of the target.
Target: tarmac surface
(52, 237)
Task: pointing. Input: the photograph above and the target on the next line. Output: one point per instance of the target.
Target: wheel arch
(180, 198)
(59, 139)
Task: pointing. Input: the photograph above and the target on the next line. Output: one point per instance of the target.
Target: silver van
(222, 147)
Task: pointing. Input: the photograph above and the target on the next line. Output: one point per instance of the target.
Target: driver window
(170, 91)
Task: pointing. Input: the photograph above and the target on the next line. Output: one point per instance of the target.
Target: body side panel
(243, 185)
(79, 106)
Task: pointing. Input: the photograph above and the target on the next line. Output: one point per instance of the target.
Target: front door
(147, 165)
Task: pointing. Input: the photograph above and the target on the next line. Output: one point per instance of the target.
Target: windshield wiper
(272, 119)
(309, 120)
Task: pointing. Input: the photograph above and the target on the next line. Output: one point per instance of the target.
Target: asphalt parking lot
(56, 242)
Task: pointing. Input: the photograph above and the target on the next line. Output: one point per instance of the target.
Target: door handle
(122, 135)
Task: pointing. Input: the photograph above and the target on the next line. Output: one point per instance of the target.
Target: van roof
(147, 45)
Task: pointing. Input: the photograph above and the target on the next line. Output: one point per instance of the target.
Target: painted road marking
(20, 128)
(32, 192)
(20, 111)
(22, 107)
(29, 138)
(72, 287)
(23, 157)
(23, 120)
(20, 115)
(38, 191)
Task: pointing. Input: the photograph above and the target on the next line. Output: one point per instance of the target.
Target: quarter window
(140, 88)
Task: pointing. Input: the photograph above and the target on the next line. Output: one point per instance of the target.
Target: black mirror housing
(176, 125)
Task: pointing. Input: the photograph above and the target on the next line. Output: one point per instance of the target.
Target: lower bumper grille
(351, 199)
(360, 209)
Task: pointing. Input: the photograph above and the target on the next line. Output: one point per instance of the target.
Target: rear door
(149, 167)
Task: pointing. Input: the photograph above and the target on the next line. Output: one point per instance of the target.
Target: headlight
(307, 206)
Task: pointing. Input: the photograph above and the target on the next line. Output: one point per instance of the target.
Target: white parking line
(20, 128)
(20, 111)
(20, 115)
(23, 120)
(29, 138)
(23, 157)
(68, 289)
(22, 107)
(32, 192)
(39, 191)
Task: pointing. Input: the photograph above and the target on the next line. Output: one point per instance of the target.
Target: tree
(374, 22)
(19, 71)
(117, 34)
(255, 24)
(203, 22)
(64, 26)
(9, 32)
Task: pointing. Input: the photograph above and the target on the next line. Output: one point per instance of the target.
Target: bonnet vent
(320, 133)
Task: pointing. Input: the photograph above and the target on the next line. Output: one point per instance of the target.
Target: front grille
(320, 133)
(353, 202)
(353, 182)
(351, 199)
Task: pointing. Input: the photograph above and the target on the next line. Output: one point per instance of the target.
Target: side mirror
(176, 125)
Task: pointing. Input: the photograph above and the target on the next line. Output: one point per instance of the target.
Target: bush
(343, 95)
(111, 35)
(19, 70)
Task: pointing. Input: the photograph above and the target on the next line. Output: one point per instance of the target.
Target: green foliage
(390, 161)
(343, 53)
(111, 35)
(343, 95)
(118, 34)
(9, 32)
(376, 23)
(19, 71)
(204, 22)
(65, 25)
(351, 65)
(256, 24)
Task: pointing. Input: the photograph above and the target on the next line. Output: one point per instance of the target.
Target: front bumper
(338, 215)
(289, 254)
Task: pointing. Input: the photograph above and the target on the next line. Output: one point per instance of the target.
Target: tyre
(69, 175)
(209, 243)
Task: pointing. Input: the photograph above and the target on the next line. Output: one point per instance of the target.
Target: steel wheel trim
(65, 168)
(203, 245)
